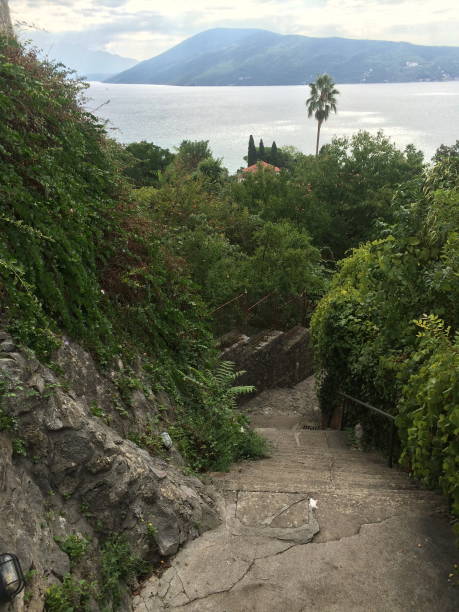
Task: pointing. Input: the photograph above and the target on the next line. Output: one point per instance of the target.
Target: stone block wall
(271, 358)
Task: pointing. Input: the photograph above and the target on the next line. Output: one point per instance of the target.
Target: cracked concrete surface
(375, 543)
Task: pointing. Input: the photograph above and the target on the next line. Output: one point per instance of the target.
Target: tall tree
(322, 101)
(190, 153)
(252, 153)
(261, 151)
(145, 163)
(273, 156)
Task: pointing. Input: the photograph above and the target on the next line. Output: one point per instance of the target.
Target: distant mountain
(226, 56)
(93, 65)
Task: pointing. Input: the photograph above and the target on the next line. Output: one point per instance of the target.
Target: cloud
(135, 28)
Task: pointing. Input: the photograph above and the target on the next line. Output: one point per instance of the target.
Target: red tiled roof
(254, 167)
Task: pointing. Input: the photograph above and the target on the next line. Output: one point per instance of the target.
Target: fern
(222, 377)
(212, 432)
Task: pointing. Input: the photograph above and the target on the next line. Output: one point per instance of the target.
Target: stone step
(338, 478)
(311, 480)
(352, 456)
(325, 460)
(339, 459)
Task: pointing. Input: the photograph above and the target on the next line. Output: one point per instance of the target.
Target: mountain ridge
(226, 56)
(87, 63)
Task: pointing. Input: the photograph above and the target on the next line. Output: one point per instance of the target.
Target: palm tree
(321, 101)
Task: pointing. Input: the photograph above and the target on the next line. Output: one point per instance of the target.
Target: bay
(425, 114)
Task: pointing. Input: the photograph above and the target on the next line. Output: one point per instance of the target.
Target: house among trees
(260, 165)
(261, 157)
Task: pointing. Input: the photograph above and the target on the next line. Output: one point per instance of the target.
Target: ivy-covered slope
(388, 330)
(79, 256)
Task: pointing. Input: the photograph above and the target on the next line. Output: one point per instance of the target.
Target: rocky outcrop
(67, 468)
(271, 358)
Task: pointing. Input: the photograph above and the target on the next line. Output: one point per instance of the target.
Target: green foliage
(190, 153)
(261, 156)
(146, 162)
(322, 101)
(428, 419)
(367, 344)
(126, 276)
(74, 546)
(284, 261)
(252, 152)
(77, 255)
(8, 422)
(340, 197)
(19, 447)
(212, 173)
(353, 181)
(151, 530)
(211, 433)
(97, 411)
(118, 566)
(7, 389)
(149, 438)
(56, 187)
(273, 157)
(72, 595)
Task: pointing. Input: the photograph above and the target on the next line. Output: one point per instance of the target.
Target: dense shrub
(78, 254)
(340, 196)
(145, 162)
(367, 342)
(210, 434)
(57, 192)
(428, 418)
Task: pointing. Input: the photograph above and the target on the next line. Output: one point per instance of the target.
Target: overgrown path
(375, 542)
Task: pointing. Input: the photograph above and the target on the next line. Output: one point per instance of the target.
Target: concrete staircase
(351, 487)
(375, 542)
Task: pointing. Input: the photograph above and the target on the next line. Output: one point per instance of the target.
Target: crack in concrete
(308, 493)
(183, 586)
(168, 586)
(331, 468)
(269, 521)
(357, 533)
(227, 590)
(279, 552)
(236, 504)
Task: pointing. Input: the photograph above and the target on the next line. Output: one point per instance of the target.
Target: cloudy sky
(144, 28)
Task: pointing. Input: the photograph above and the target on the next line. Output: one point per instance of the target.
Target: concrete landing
(376, 542)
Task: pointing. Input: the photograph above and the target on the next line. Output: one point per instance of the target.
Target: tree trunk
(319, 124)
(6, 29)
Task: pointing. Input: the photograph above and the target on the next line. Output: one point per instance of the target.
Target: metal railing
(381, 412)
(275, 303)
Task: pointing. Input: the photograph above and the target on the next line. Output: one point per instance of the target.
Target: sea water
(425, 114)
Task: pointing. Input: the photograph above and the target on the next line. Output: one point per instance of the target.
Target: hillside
(88, 63)
(119, 265)
(224, 56)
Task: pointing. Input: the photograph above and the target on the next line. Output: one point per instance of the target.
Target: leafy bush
(339, 197)
(72, 595)
(74, 546)
(145, 163)
(366, 341)
(118, 566)
(210, 432)
(428, 419)
(57, 188)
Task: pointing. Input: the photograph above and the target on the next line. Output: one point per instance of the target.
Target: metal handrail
(381, 412)
(238, 297)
